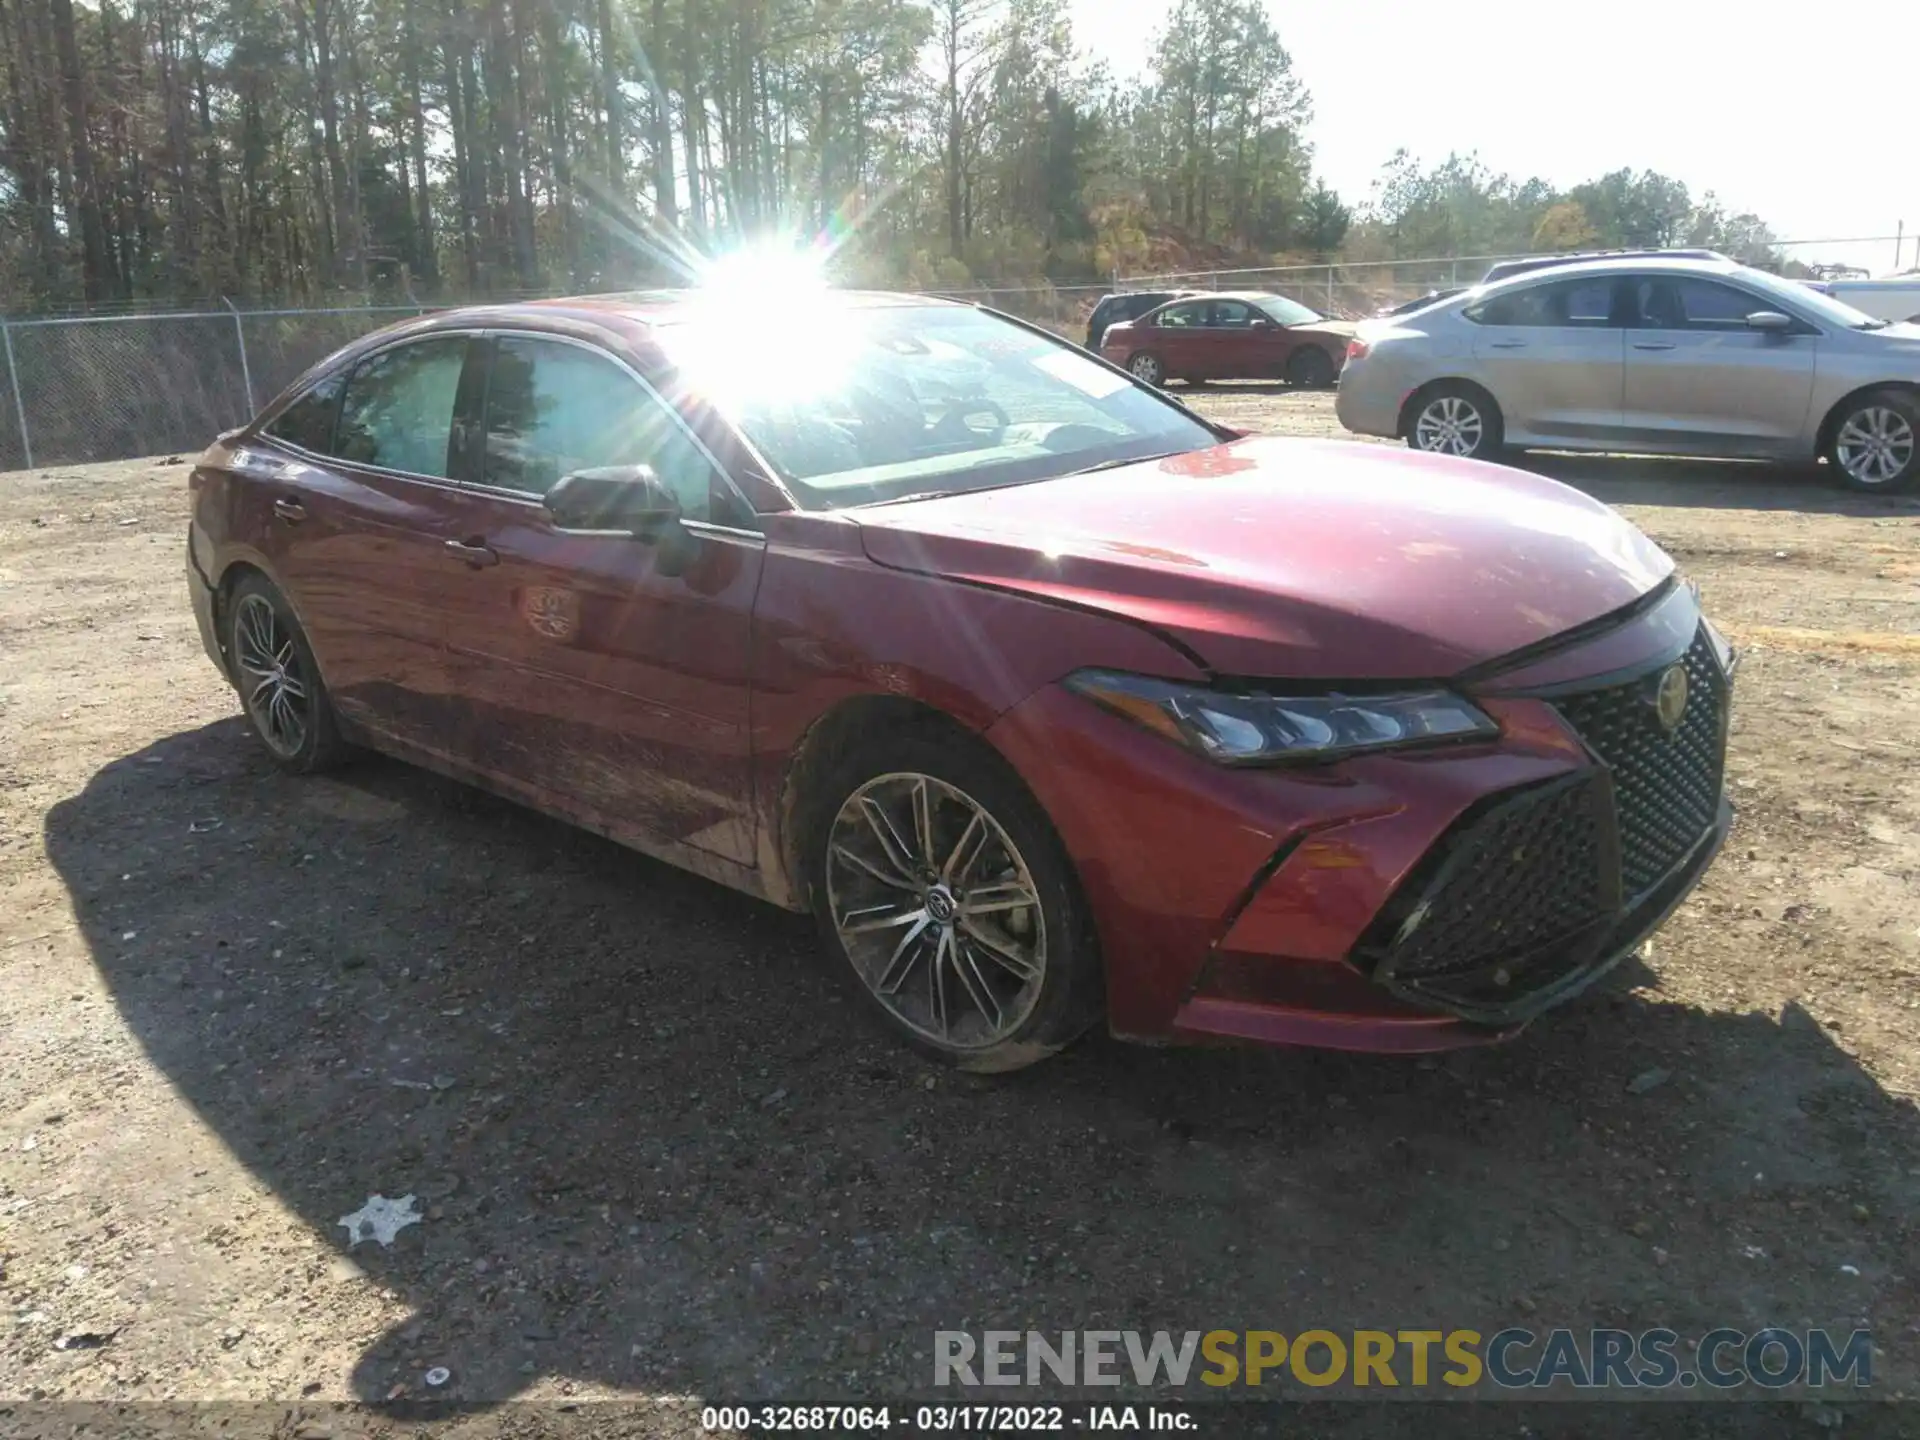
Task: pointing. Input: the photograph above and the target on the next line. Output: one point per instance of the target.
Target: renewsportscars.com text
(1512, 1359)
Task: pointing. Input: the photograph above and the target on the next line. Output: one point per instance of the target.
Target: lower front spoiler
(1206, 1017)
(1415, 1033)
(200, 589)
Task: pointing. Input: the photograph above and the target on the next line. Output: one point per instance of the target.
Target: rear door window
(1562, 305)
(1185, 317)
(397, 413)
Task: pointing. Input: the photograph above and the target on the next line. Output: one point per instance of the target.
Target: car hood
(1338, 329)
(1322, 560)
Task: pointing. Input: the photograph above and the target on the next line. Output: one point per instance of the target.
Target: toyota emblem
(1670, 698)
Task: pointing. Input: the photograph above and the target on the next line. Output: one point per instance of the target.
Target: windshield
(1815, 302)
(1285, 312)
(861, 406)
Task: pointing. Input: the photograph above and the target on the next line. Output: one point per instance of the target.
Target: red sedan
(1051, 701)
(1252, 336)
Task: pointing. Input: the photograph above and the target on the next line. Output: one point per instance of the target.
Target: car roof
(1505, 269)
(667, 307)
(1613, 264)
(1228, 295)
(629, 317)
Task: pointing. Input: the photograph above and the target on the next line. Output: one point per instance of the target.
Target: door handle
(289, 510)
(1506, 344)
(1653, 345)
(475, 552)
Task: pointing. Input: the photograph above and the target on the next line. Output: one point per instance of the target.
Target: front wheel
(279, 683)
(1874, 445)
(1147, 369)
(940, 882)
(1455, 420)
(1311, 369)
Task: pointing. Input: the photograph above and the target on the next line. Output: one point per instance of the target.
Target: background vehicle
(1432, 297)
(1249, 335)
(1649, 356)
(1128, 305)
(1893, 297)
(1013, 672)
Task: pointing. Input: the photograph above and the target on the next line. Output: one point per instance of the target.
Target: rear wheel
(940, 882)
(1876, 442)
(1454, 419)
(279, 684)
(1147, 369)
(1311, 369)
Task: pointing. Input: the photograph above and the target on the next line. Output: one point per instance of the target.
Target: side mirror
(617, 499)
(1260, 322)
(1771, 321)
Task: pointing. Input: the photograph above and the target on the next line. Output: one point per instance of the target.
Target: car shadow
(659, 1147)
(1709, 484)
(1270, 388)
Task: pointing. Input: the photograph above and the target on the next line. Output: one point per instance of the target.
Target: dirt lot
(658, 1152)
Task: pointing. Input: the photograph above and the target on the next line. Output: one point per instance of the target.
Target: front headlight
(1254, 729)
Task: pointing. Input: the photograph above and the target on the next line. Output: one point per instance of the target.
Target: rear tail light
(1356, 349)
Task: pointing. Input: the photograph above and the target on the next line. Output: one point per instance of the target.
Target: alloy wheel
(1875, 445)
(1449, 425)
(1147, 368)
(937, 910)
(273, 683)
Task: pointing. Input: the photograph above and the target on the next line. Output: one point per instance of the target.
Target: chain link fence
(1356, 290)
(86, 388)
(1344, 291)
(110, 387)
(77, 389)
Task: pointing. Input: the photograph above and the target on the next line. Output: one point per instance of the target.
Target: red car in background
(1052, 701)
(1243, 336)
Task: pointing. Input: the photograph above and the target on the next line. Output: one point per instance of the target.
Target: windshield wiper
(1129, 460)
(1016, 484)
(921, 495)
(1873, 324)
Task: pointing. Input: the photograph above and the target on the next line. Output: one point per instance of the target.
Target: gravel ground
(658, 1151)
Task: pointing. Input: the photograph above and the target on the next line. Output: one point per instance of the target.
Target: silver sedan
(1660, 357)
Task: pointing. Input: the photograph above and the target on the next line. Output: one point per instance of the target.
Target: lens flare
(764, 330)
(765, 268)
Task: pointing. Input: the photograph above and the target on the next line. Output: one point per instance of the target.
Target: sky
(1786, 112)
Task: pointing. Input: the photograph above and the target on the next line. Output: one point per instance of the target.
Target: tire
(1146, 368)
(1455, 419)
(273, 669)
(1875, 444)
(1311, 368)
(992, 991)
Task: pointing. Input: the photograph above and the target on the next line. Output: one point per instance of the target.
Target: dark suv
(1130, 305)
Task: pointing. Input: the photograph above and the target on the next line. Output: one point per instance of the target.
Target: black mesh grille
(1666, 786)
(1529, 871)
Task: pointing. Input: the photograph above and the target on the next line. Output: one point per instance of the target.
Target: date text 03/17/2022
(946, 1419)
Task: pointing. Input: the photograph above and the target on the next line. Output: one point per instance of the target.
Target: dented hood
(1307, 559)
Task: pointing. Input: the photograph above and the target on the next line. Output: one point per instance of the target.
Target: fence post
(1329, 289)
(19, 406)
(246, 371)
